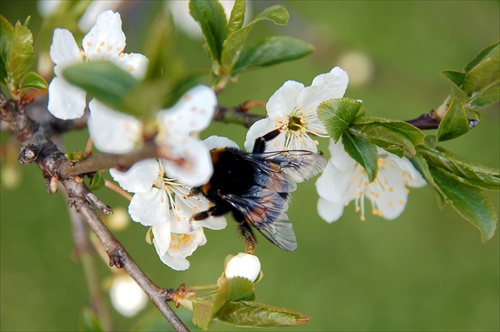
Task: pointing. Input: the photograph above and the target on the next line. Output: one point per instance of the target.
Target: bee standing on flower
(255, 188)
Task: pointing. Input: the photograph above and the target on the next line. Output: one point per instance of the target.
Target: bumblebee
(255, 187)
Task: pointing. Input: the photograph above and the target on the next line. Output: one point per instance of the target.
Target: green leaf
(468, 200)
(259, 315)
(364, 152)
(235, 41)
(270, 51)
(34, 81)
(456, 79)
(6, 38)
(104, 80)
(210, 15)
(20, 54)
(487, 52)
(482, 76)
(202, 312)
(393, 135)
(487, 96)
(473, 173)
(455, 122)
(231, 290)
(337, 114)
(96, 181)
(237, 17)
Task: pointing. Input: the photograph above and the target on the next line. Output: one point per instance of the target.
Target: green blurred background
(426, 270)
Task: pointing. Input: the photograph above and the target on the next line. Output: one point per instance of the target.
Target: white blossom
(126, 296)
(293, 108)
(184, 156)
(165, 204)
(344, 180)
(105, 41)
(243, 265)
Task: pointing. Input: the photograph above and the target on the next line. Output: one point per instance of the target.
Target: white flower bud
(126, 296)
(243, 265)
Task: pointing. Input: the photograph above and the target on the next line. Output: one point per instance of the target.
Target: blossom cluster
(161, 187)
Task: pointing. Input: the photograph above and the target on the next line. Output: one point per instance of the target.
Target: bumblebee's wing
(299, 165)
(270, 176)
(265, 210)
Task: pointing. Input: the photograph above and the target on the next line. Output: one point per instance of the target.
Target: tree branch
(38, 149)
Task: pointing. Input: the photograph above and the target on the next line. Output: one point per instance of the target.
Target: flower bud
(243, 265)
(126, 296)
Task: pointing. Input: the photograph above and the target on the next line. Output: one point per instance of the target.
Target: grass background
(426, 270)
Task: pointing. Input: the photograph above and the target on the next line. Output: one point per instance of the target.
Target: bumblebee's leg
(250, 240)
(260, 143)
(215, 211)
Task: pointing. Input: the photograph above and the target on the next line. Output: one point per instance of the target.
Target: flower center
(295, 123)
(179, 240)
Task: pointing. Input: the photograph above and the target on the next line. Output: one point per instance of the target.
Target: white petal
(324, 87)
(64, 51)
(187, 206)
(140, 178)
(243, 265)
(301, 142)
(95, 8)
(106, 39)
(329, 211)
(192, 113)
(340, 158)
(284, 100)
(161, 237)
(135, 63)
(261, 128)
(413, 176)
(66, 101)
(335, 185)
(149, 208)
(182, 246)
(187, 160)
(112, 131)
(177, 263)
(214, 141)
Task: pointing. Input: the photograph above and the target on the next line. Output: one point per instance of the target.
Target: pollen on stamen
(101, 43)
(82, 53)
(390, 204)
(89, 43)
(187, 96)
(401, 202)
(304, 114)
(120, 49)
(362, 218)
(109, 47)
(407, 191)
(194, 208)
(131, 68)
(366, 183)
(122, 55)
(276, 143)
(131, 54)
(98, 50)
(309, 108)
(375, 211)
(316, 142)
(391, 189)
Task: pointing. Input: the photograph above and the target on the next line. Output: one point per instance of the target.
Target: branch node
(92, 199)
(116, 259)
(175, 295)
(28, 154)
